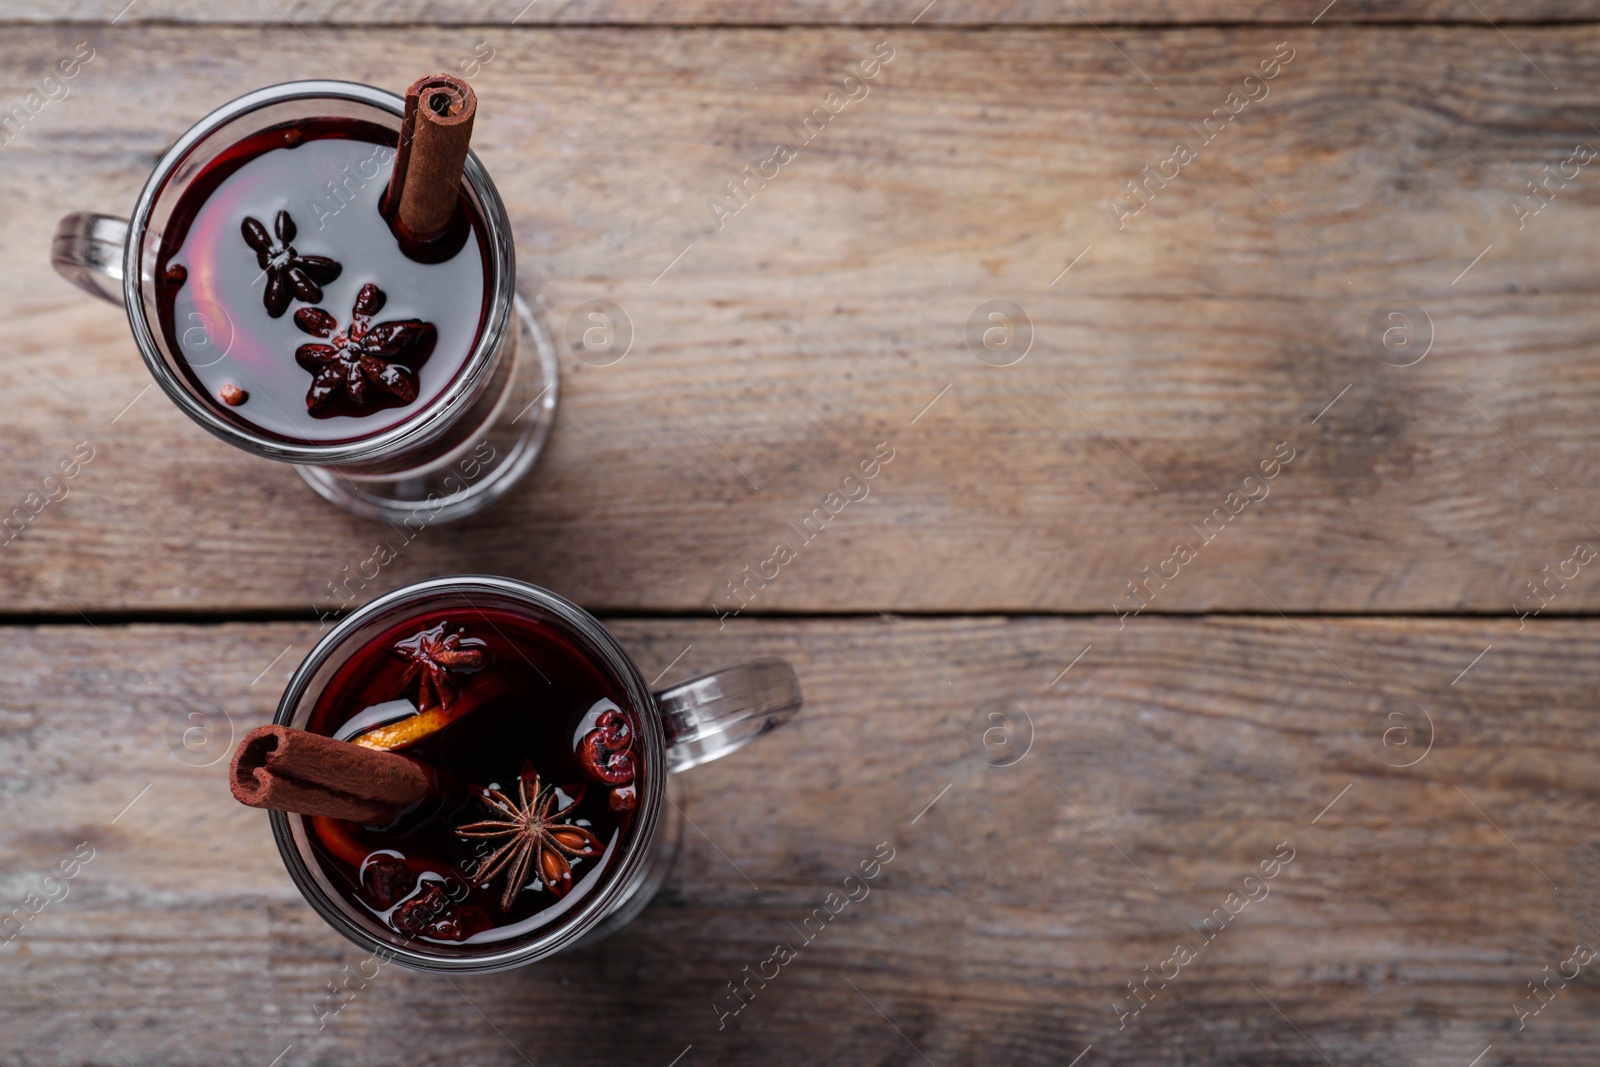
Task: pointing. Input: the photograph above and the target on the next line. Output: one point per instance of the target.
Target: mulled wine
(531, 744)
(283, 290)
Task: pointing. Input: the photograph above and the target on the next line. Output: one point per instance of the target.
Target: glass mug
(460, 451)
(679, 727)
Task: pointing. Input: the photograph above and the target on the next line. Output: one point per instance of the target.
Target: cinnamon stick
(435, 133)
(295, 770)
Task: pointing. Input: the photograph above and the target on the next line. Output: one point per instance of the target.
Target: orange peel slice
(429, 721)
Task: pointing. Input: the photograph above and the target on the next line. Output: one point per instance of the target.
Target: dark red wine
(288, 299)
(525, 730)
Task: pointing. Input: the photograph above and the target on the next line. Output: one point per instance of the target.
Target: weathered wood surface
(830, 312)
(1164, 766)
(799, 12)
(1436, 778)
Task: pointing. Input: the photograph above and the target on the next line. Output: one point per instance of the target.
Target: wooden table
(1345, 284)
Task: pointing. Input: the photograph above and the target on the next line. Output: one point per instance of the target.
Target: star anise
(432, 658)
(289, 274)
(536, 838)
(362, 360)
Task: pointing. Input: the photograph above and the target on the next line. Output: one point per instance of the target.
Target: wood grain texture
(829, 313)
(797, 12)
(1163, 767)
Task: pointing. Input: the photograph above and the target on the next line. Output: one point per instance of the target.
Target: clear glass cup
(680, 727)
(457, 454)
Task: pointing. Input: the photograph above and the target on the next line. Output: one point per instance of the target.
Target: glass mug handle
(87, 251)
(711, 716)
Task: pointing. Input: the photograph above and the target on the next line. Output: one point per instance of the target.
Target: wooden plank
(829, 316)
(1164, 767)
(800, 12)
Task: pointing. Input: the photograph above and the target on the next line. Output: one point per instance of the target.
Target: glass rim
(440, 413)
(631, 863)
